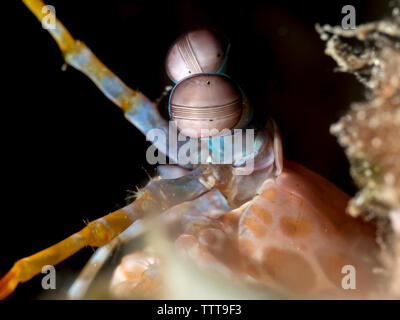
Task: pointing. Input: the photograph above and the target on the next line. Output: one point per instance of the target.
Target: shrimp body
(277, 225)
(293, 236)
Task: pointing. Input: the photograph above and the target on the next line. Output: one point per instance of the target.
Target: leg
(191, 248)
(97, 233)
(209, 243)
(93, 266)
(123, 281)
(138, 276)
(210, 233)
(156, 197)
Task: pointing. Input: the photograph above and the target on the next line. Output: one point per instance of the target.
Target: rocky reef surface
(370, 131)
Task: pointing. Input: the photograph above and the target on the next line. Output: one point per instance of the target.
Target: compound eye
(205, 105)
(200, 51)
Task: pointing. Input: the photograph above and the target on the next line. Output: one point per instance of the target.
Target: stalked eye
(200, 51)
(205, 104)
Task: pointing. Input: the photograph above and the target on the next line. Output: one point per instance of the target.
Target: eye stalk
(205, 104)
(199, 51)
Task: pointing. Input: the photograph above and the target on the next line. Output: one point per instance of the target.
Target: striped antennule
(204, 102)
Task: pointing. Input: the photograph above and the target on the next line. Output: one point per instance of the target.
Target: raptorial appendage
(158, 196)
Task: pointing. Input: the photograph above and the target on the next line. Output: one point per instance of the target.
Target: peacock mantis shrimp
(280, 226)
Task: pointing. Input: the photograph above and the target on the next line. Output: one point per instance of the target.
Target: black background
(69, 155)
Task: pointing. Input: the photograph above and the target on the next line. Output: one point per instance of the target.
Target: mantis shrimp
(280, 226)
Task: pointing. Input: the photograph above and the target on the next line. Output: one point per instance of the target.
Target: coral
(370, 131)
